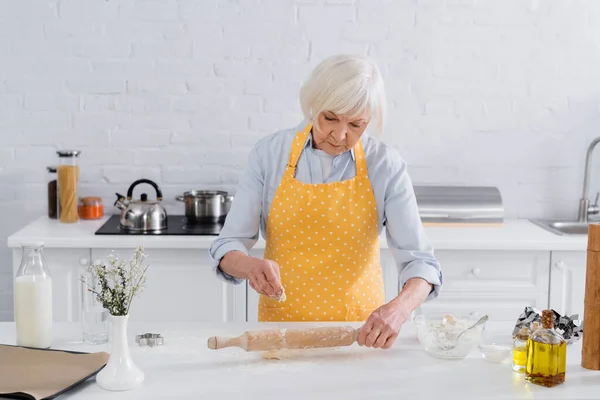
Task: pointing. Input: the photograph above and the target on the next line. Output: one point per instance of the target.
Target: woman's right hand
(264, 277)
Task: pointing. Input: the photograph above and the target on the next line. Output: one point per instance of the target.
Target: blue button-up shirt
(394, 195)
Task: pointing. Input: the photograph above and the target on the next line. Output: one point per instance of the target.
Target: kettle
(143, 215)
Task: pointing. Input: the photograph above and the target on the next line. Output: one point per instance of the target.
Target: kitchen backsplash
(485, 92)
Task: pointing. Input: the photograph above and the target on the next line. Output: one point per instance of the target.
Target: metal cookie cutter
(150, 339)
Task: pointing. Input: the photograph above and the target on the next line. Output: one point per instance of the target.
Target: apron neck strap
(361, 161)
(298, 146)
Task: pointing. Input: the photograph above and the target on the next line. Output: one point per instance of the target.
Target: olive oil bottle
(519, 355)
(546, 354)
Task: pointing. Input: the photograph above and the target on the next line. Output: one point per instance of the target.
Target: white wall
(482, 92)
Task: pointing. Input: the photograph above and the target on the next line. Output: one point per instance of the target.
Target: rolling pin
(276, 339)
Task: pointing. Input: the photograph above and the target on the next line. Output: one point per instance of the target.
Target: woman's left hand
(382, 326)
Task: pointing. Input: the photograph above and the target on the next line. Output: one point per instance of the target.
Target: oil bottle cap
(548, 319)
(523, 334)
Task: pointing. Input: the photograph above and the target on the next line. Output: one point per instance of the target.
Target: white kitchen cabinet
(181, 287)
(567, 281)
(498, 283)
(390, 281)
(65, 266)
(498, 306)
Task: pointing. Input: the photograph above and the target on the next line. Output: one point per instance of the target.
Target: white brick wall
(482, 92)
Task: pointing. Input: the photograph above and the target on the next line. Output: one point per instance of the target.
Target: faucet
(585, 210)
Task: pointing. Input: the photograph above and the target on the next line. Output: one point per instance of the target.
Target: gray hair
(345, 85)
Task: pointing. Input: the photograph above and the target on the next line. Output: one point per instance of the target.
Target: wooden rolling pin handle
(216, 342)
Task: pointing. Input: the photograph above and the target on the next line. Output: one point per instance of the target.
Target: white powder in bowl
(437, 336)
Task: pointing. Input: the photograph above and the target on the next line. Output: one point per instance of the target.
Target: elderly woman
(321, 193)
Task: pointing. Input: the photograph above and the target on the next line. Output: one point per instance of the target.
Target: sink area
(580, 225)
(563, 227)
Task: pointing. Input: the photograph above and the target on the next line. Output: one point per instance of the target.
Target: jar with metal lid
(52, 193)
(90, 207)
(68, 180)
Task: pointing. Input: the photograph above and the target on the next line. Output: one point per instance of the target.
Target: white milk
(33, 311)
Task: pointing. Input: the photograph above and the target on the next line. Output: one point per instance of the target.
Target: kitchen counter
(185, 368)
(513, 235)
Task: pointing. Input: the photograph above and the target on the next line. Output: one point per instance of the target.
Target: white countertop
(513, 235)
(184, 368)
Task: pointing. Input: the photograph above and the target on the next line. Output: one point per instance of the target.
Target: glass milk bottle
(33, 298)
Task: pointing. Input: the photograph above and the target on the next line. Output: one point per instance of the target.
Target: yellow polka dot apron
(324, 238)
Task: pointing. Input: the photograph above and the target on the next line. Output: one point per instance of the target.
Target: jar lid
(90, 200)
(51, 169)
(68, 153)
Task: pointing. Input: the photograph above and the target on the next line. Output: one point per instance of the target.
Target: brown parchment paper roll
(39, 374)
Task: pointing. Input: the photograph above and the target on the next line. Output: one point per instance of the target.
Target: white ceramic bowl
(495, 352)
(437, 330)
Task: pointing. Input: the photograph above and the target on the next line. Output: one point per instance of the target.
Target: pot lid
(205, 193)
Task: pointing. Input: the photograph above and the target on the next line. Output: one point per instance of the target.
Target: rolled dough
(275, 354)
(287, 354)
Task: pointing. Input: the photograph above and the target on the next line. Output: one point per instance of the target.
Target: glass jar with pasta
(68, 180)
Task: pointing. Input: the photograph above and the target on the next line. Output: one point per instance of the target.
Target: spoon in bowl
(481, 321)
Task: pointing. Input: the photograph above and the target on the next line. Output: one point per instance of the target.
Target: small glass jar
(33, 298)
(90, 207)
(52, 193)
(68, 179)
(94, 317)
(519, 359)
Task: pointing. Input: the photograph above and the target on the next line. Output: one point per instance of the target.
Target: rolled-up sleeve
(242, 225)
(406, 236)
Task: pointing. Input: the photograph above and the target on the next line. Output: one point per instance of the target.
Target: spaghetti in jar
(68, 180)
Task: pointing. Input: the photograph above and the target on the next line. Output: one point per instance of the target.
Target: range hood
(460, 205)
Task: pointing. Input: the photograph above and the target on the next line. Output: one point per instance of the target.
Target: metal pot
(142, 215)
(205, 205)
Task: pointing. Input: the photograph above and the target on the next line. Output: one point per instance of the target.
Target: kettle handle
(149, 182)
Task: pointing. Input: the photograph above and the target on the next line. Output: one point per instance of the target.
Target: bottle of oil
(519, 359)
(546, 354)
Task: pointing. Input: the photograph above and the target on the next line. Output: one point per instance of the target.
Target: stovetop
(176, 225)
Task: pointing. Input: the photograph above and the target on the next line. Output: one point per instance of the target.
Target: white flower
(117, 284)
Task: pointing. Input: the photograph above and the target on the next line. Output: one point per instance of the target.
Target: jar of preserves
(90, 207)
